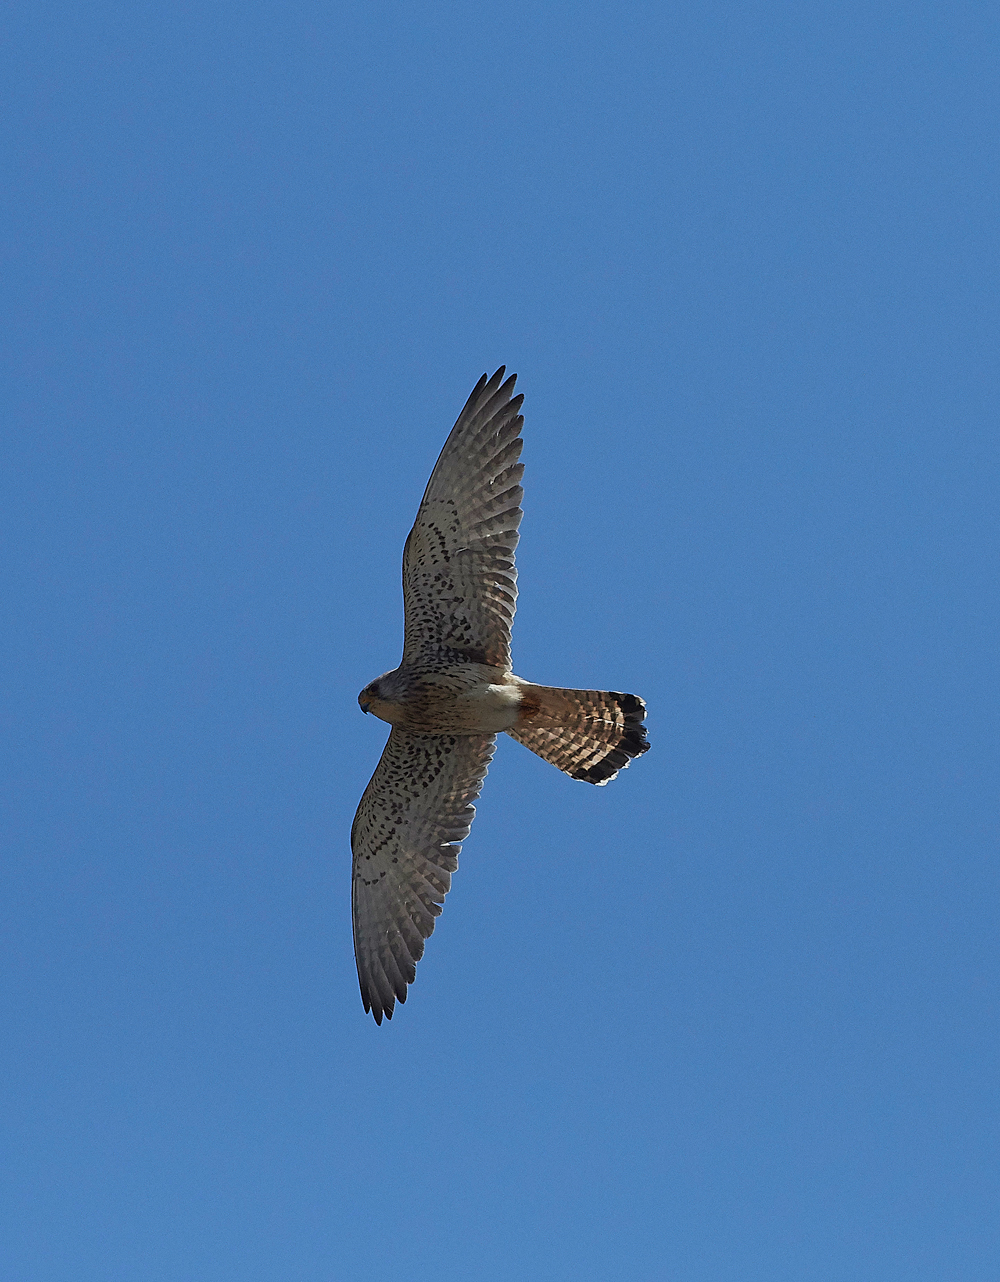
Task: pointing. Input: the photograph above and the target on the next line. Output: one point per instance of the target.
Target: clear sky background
(733, 1017)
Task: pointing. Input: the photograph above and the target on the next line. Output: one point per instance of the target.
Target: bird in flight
(454, 692)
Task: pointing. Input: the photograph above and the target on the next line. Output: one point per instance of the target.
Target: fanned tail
(589, 734)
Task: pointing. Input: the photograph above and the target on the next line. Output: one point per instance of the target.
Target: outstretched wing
(406, 839)
(459, 580)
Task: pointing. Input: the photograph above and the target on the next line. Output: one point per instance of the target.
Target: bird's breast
(461, 700)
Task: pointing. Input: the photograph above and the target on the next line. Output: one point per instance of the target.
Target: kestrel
(454, 692)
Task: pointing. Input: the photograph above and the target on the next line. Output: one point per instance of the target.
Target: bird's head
(380, 700)
(368, 695)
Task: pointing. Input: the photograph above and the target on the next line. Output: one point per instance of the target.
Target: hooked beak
(365, 707)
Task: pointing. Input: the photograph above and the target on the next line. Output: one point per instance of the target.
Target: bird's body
(454, 691)
(447, 698)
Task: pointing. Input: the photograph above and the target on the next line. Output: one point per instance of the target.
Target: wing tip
(487, 388)
(378, 1009)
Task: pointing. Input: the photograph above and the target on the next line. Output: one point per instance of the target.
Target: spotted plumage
(454, 691)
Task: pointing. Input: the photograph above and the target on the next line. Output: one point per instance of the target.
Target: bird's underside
(454, 691)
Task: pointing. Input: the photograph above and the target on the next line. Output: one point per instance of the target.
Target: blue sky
(733, 1017)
